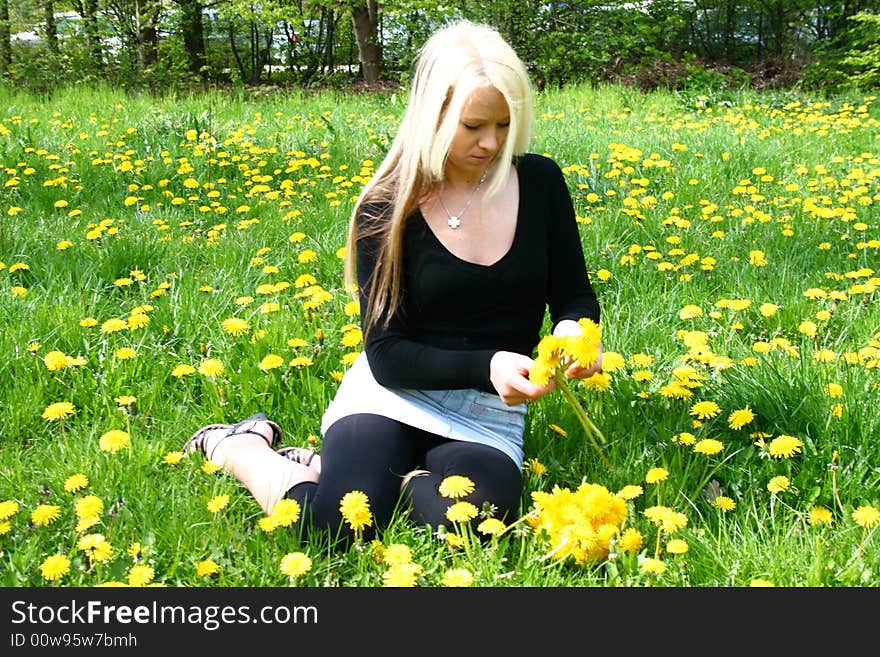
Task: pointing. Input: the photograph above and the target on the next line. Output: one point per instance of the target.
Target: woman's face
(480, 134)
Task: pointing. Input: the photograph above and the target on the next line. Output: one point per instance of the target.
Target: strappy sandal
(301, 455)
(198, 440)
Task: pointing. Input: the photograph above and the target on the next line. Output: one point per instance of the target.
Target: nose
(490, 138)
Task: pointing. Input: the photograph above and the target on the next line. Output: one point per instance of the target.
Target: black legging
(372, 453)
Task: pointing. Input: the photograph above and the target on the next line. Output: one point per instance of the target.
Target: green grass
(676, 196)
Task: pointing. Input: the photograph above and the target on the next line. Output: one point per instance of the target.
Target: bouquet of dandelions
(555, 354)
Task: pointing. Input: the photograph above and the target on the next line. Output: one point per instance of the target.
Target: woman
(459, 245)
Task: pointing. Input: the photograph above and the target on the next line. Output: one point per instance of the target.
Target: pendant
(453, 222)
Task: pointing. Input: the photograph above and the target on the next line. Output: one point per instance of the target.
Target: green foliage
(862, 62)
(662, 44)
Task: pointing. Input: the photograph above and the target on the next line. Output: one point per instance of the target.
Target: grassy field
(167, 263)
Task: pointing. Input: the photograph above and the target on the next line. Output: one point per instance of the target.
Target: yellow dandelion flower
(55, 567)
(562, 432)
(58, 411)
(285, 512)
(761, 583)
(140, 575)
(454, 540)
(690, 311)
(206, 568)
(124, 353)
(778, 484)
(271, 362)
(456, 486)
(55, 360)
(209, 467)
(45, 514)
(866, 516)
(8, 508)
(768, 309)
(5, 527)
(235, 326)
(630, 492)
(173, 457)
(211, 367)
(355, 509)
(491, 527)
(677, 546)
(834, 390)
(684, 438)
(352, 308)
(75, 483)
(667, 519)
(402, 575)
(138, 321)
(820, 515)
(89, 541)
(89, 506)
(295, 564)
(457, 577)
(86, 523)
(307, 255)
(651, 566)
(656, 475)
(630, 540)
(535, 467)
(113, 325)
(784, 446)
(808, 328)
(462, 512)
(19, 291)
(397, 554)
(125, 400)
(114, 440)
(705, 410)
(182, 370)
(724, 503)
(218, 503)
(268, 524)
(740, 418)
(708, 446)
(300, 361)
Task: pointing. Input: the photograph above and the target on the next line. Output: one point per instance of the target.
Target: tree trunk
(5, 37)
(51, 28)
(193, 29)
(93, 38)
(146, 18)
(365, 18)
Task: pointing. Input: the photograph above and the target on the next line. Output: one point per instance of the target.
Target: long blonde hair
(455, 61)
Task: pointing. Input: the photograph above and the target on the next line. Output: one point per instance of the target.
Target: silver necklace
(454, 220)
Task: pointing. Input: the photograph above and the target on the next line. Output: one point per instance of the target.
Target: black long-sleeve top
(455, 315)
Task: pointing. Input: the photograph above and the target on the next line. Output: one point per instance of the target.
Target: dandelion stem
(590, 428)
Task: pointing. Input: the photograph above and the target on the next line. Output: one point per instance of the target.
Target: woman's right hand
(509, 373)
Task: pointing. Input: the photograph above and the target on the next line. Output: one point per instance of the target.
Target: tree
(365, 19)
(5, 37)
(88, 9)
(192, 28)
(49, 22)
(137, 22)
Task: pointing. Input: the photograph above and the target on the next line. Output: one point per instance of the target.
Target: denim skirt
(461, 414)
